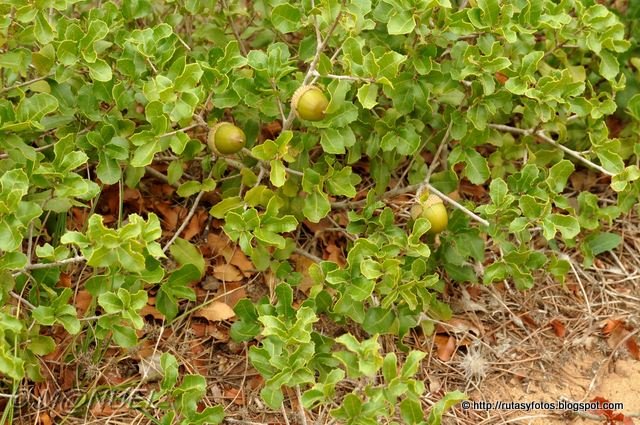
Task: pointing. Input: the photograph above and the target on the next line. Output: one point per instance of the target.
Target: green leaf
(189, 188)
(602, 242)
(286, 18)
(316, 206)
(342, 183)
(477, 168)
(379, 321)
(445, 403)
(42, 345)
(100, 70)
(42, 29)
(177, 288)
(633, 106)
(124, 336)
(559, 174)
(272, 396)
(567, 225)
(220, 209)
(368, 95)
(609, 67)
(278, 175)
(13, 260)
(334, 141)
(411, 411)
(110, 302)
(44, 315)
(401, 23)
(185, 253)
(143, 156)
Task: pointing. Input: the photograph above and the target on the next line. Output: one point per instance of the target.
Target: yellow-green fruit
(309, 103)
(226, 139)
(434, 210)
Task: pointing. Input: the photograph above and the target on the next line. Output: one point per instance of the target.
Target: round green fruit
(434, 210)
(309, 103)
(226, 139)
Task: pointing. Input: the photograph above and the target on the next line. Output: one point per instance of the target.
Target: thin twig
(436, 157)
(38, 149)
(185, 223)
(22, 300)
(457, 205)
(24, 83)
(312, 67)
(157, 174)
(246, 151)
(171, 133)
(315, 73)
(66, 261)
(310, 256)
(387, 195)
(414, 188)
(542, 135)
(236, 34)
(301, 412)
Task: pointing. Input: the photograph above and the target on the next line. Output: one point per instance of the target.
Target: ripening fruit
(226, 139)
(309, 103)
(434, 210)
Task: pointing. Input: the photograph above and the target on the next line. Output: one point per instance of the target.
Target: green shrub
(509, 98)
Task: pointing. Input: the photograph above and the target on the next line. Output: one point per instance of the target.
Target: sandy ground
(584, 377)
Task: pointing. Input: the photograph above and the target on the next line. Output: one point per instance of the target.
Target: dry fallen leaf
(169, 214)
(335, 254)
(230, 293)
(459, 326)
(227, 273)
(215, 311)
(150, 310)
(558, 328)
(44, 419)
(195, 225)
(502, 78)
(632, 346)
(150, 368)
(236, 395)
(302, 265)
(83, 301)
(446, 345)
(610, 325)
(221, 245)
(242, 262)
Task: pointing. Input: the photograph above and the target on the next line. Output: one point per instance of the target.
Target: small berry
(309, 103)
(434, 210)
(226, 139)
